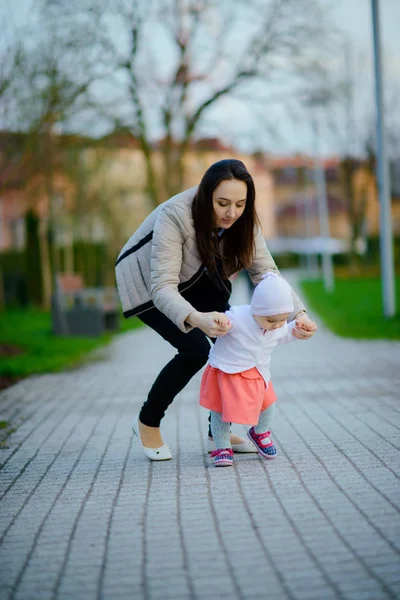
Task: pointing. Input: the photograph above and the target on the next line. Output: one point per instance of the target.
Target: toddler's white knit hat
(272, 296)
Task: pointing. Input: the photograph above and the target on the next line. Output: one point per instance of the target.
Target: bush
(33, 268)
(22, 275)
(287, 260)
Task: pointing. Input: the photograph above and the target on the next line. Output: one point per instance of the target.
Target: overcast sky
(353, 16)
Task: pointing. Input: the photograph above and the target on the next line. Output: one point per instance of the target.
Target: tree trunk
(69, 249)
(32, 258)
(168, 167)
(45, 264)
(180, 168)
(2, 294)
(347, 168)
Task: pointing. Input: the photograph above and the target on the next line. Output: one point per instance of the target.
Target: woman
(173, 274)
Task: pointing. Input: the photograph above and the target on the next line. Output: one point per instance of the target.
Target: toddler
(236, 384)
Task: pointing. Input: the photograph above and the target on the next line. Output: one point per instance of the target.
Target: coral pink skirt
(240, 397)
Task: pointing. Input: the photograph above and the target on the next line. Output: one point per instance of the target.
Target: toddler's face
(272, 321)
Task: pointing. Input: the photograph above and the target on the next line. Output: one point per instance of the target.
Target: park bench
(83, 311)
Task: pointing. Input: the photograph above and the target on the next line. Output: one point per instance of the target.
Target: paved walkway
(84, 515)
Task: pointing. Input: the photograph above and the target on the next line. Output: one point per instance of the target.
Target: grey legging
(221, 430)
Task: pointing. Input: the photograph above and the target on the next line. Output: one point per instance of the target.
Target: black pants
(193, 349)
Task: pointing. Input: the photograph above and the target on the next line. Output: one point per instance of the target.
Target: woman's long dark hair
(239, 239)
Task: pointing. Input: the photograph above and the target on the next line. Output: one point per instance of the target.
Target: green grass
(354, 309)
(43, 352)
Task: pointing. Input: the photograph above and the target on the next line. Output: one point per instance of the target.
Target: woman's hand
(213, 324)
(305, 328)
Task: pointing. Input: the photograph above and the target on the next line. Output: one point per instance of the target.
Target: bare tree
(53, 96)
(182, 58)
(11, 56)
(158, 69)
(90, 216)
(50, 86)
(351, 122)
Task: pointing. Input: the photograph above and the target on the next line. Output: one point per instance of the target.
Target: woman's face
(229, 201)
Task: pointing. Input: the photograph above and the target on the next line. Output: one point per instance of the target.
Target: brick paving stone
(83, 514)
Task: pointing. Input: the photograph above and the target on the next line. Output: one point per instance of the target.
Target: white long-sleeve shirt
(247, 345)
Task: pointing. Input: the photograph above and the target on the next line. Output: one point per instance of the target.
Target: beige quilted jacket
(160, 260)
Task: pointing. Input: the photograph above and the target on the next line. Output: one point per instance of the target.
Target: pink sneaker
(265, 446)
(223, 457)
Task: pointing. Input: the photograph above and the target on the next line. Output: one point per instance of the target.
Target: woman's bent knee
(195, 344)
(198, 359)
(195, 351)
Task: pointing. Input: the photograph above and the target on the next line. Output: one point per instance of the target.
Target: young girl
(236, 384)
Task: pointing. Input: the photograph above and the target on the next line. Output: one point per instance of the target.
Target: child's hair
(272, 296)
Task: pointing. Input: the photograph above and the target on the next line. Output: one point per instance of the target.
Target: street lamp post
(312, 259)
(323, 213)
(313, 100)
(386, 237)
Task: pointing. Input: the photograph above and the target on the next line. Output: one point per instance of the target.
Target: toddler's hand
(213, 324)
(304, 328)
(223, 321)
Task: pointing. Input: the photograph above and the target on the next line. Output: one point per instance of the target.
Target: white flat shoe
(162, 453)
(245, 447)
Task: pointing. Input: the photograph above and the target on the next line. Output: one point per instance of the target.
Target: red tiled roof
(297, 207)
(204, 144)
(13, 174)
(118, 139)
(18, 150)
(210, 144)
(299, 160)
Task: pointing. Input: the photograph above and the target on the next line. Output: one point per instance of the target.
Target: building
(98, 189)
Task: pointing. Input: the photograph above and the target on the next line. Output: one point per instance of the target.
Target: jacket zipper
(193, 282)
